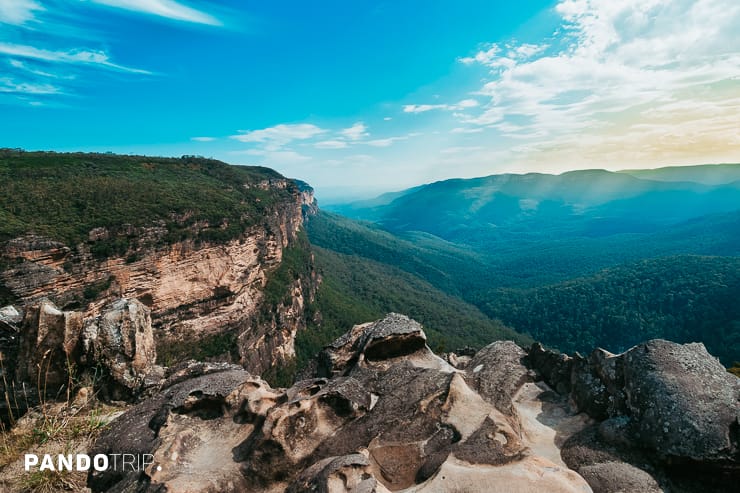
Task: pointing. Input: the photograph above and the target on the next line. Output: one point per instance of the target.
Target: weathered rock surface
(49, 342)
(667, 410)
(121, 340)
(383, 413)
(58, 348)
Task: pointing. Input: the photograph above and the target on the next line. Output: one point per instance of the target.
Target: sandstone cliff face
(195, 290)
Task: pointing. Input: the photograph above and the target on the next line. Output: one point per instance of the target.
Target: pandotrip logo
(84, 462)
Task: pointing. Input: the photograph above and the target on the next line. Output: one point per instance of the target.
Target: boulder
(184, 429)
(49, 347)
(684, 405)
(666, 408)
(553, 367)
(121, 341)
(497, 371)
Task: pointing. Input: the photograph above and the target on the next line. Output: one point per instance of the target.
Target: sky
(362, 97)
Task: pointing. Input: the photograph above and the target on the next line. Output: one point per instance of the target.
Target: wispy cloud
(18, 12)
(422, 108)
(355, 132)
(80, 57)
(31, 70)
(466, 130)
(331, 144)
(389, 141)
(203, 139)
(9, 86)
(163, 8)
(273, 138)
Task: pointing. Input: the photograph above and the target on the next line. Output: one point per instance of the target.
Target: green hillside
(451, 268)
(64, 196)
(356, 290)
(536, 207)
(684, 299)
(584, 259)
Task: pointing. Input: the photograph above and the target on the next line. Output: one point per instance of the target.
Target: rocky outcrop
(379, 412)
(196, 290)
(121, 341)
(61, 349)
(49, 344)
(382, 413)
(668, 410)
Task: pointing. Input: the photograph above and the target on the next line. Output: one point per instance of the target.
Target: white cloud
(331, 144)
(79, 57)
(163, 8)
(423, 108)
(23, 66)
(615, 63)
(355, 132)
(18, 12)
(275, 137)
(203, 139)
(483, 56)
(10, 86)
(387, 141)
(466, 130)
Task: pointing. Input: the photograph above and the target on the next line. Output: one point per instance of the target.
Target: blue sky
(361, 97)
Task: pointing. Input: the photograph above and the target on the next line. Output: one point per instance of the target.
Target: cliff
(201, 266)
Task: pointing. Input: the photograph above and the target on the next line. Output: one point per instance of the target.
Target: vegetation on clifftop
(65, 195)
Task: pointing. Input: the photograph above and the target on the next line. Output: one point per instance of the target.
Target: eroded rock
(666, 409)
(384, 414)
(121, 340)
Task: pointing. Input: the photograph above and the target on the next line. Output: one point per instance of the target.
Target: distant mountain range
(576, 203)
(502, 241)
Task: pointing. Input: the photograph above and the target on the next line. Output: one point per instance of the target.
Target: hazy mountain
(708, 174)
(578, 203)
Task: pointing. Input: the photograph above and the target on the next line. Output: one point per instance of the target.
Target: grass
(50, 429)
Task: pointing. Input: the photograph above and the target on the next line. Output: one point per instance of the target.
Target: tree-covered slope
(681, 298)
(451, 268)
(64, 196)
(355, 290)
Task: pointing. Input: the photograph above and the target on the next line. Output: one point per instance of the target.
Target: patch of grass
(51, 481)
(50, 429)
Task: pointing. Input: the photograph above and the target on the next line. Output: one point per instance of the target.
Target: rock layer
(195, 289)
